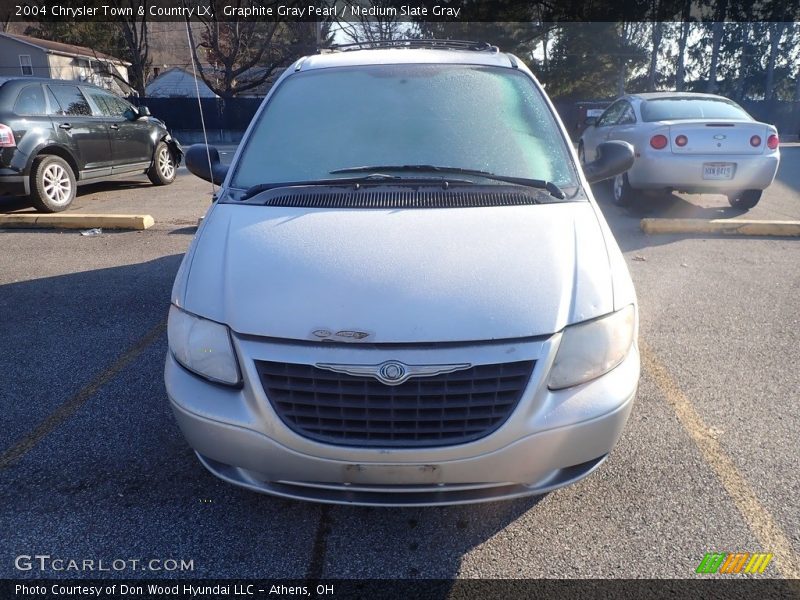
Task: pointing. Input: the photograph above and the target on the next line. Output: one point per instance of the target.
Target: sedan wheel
(53, 184)
(745, 200)
(623, 192)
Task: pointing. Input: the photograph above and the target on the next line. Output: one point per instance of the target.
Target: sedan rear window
(468, 116)
(672, 109)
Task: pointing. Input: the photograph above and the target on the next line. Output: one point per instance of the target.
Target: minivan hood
(426, 275)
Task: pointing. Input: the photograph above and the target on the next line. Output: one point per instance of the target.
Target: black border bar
(519, 11)
(391, 589)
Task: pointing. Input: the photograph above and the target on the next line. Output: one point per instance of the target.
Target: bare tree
(629, 53)
(797, 71)
(240, 54)
(745, 56)
(656, 35)
(775, 35)
(134, 31)
(717, 30)
(372, 21)
(797, 84)
(680, 71)
(545, 44)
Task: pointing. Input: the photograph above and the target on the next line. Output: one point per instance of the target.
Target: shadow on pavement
(625, 221)
(789, 176)
(116, 465)
(191, 230)
(426, 542)
(12, 204)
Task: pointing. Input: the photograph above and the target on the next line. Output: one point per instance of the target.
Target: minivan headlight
(202, 346)
(593, 348)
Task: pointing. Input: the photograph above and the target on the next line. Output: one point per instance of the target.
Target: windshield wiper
(371, 178)
(551, 187)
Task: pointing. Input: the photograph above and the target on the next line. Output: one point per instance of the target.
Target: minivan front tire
(53, 184)
(163, 170)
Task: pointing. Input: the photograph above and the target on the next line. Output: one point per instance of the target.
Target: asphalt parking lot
(92, 464)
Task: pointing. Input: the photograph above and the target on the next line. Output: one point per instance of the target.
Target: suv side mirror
(198, 157)
(612, 159)
(590, 121)
(143, 111)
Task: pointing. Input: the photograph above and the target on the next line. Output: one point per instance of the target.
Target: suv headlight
(202, 346)
(591, 349)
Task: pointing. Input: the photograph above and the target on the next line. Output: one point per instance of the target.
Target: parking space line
(755, 514)
(68, 408)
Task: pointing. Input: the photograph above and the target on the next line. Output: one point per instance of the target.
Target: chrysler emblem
(393, 372)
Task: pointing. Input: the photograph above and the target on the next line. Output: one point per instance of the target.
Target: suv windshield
(669, 109)
(465, 116)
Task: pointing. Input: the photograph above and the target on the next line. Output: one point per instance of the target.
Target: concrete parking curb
(722, 226)
(77, 221)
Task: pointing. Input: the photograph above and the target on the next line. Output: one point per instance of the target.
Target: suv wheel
(53, 184)
(622, 190)
(745, 199)
(163, 170)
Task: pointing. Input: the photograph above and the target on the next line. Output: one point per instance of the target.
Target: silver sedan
(687, 142)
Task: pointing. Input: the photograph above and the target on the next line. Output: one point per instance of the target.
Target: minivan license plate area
(394, 474)
(717, 171)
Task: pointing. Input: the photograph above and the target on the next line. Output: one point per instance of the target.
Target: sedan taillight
(659, 142)
(681, 141)
(6, 137)
(755, 141)
(773, 141)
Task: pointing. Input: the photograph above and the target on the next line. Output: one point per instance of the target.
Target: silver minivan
(405, 293)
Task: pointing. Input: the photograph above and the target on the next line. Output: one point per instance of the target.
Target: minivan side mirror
(198, 157)
(612, 159)
(590, 121)
(143, 111)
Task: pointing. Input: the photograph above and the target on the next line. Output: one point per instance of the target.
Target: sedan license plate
(718, 170)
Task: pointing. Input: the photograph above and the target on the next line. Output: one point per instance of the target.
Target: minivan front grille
(441, 410)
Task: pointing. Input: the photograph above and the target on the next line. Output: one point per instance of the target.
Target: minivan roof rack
(418, 43)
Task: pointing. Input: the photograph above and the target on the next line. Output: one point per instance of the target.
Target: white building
(33, 57)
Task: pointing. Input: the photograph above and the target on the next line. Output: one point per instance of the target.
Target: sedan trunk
(723, 137)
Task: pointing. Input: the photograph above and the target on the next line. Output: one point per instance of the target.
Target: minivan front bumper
(552, 439)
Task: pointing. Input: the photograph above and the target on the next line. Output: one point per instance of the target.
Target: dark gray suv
(56, 135)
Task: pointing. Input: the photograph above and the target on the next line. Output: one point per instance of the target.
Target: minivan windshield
(466, 116)
(669, 109)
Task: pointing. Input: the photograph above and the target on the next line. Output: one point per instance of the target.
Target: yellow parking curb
(77, 221)
(723, 226)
